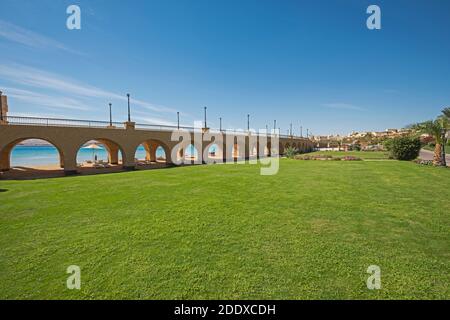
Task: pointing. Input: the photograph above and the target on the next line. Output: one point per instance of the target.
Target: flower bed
(327, 157)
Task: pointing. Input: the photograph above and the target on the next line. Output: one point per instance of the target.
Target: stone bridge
(68, 136)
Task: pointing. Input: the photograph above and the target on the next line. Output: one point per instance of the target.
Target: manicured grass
(360, 154)
(225, 232)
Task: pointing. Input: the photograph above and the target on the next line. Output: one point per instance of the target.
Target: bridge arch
(155, 151)
(6, 151)
(213, 153)
(191, 153)
(115, 152)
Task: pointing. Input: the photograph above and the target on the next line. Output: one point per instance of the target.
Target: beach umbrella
(94, 147)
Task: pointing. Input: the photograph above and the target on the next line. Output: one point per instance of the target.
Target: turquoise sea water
(48, 155)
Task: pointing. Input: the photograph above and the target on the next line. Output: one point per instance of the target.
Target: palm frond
(446, 112)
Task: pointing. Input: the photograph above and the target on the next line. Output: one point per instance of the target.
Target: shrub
(354, 147)
(405, 148)
(388, 144)
(290, 152)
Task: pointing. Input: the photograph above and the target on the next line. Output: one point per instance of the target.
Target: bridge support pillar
(113, 154)
(152, 153)
(5, 164)
(168, 157)
(68, 161)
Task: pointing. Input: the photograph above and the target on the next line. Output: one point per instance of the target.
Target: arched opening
(151, 152)
(31, 154)
(99, 154)
(141, 154)
(161, 155)
(214, 154)
(190, 153)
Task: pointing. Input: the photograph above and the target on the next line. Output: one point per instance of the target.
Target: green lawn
(360, 154)
(224, 231)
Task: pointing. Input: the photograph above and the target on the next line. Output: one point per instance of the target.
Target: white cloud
(145, 118)
(29, 38)
(36, 98)
(36, 78)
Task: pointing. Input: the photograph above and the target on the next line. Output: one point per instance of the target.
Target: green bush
(354, 147)
(290, 152)
(388, 144)
(405, 148)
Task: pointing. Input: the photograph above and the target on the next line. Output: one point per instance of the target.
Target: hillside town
(365, 140)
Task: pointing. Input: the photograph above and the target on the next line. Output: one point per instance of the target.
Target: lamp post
(274, 126)
(1, 106)
(129, 115)
(110, 114)
(291, 129)
(205, 116)
(443, 156)
(220, 124)
(248, 122)
(178, 120)
(267, 129)
(301, 131)
(307, 133)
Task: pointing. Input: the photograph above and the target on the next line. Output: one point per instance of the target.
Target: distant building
(388, 133)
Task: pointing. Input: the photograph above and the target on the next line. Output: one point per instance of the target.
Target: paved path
(428, 155)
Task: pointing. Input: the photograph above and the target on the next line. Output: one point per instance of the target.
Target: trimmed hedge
(405, 148)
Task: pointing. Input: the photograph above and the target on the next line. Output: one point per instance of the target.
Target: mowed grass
(376, 155)
(226, 232)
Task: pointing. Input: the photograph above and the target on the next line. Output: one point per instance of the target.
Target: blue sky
(312, 63)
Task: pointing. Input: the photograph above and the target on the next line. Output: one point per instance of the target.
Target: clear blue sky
(313, 63)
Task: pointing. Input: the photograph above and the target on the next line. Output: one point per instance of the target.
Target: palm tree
(435, 129)
(446, 112)
(446, 122)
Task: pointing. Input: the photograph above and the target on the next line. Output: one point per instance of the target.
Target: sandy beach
(54, 171)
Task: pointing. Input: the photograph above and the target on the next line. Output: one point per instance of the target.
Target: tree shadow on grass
(3, 190)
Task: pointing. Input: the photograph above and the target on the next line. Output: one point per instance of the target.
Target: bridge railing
(157, 127)
(56, 122)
